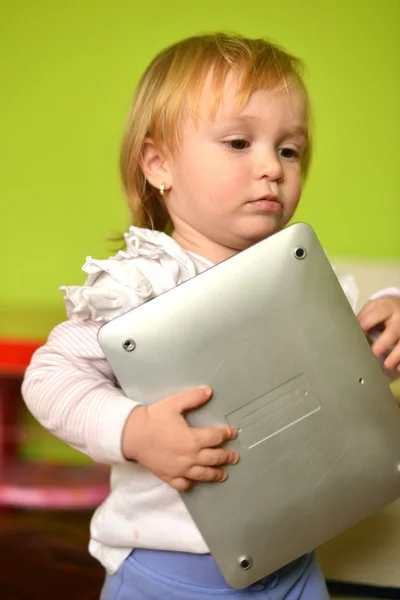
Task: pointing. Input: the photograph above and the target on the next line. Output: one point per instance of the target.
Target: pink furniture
(27, 483)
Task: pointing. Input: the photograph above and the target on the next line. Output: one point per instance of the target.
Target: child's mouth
(268, 203)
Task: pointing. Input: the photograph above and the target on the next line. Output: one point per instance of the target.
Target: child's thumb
(191, 399)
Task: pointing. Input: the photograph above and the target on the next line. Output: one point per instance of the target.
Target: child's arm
(70, 389)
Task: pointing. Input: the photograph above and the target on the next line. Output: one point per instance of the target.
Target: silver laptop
(271, 331)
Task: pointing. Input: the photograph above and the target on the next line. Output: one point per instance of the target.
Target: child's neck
(208, 249)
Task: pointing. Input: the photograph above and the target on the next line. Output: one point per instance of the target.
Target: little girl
(215, 153)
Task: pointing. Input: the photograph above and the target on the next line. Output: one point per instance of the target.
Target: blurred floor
(43, 555)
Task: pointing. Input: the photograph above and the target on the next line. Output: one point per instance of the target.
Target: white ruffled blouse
(70, 388)
(110, 283)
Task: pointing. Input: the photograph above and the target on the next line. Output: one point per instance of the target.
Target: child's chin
(265, 231)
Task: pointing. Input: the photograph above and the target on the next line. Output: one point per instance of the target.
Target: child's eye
(238, 144)
(289, 153)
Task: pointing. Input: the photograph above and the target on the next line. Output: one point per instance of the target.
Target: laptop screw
(128, 345)
(245, 562)
(300, 253)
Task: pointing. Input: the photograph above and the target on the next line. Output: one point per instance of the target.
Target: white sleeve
(351, 290)
(349, 287)
(70, 389)
(69, 386)
(392, 291)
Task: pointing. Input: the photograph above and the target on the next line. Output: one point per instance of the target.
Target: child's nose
(270, 167)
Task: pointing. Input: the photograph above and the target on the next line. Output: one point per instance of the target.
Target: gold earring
(162, 189)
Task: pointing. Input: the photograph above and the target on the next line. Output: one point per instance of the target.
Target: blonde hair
(170, 88)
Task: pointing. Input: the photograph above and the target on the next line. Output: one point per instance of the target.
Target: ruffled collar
(130, 282)
(153, 244)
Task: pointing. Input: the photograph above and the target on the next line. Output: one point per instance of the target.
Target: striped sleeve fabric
(70, 389)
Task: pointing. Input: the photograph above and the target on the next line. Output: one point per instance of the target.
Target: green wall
(67, 74)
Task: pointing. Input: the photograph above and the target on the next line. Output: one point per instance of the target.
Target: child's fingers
(181, 484)
(211, 437)
(210, 457)
(393, 360)
(373, 315)
(365, 310)
(200, 473)
(371, 305)
(387, 339)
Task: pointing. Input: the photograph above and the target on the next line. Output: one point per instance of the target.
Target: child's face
(237, 178)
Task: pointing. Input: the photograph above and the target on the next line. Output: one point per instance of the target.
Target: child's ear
(154, 165)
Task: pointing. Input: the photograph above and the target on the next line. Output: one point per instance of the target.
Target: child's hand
(159, 438)
(384, 312)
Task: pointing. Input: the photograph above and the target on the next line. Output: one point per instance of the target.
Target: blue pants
(156, 575)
